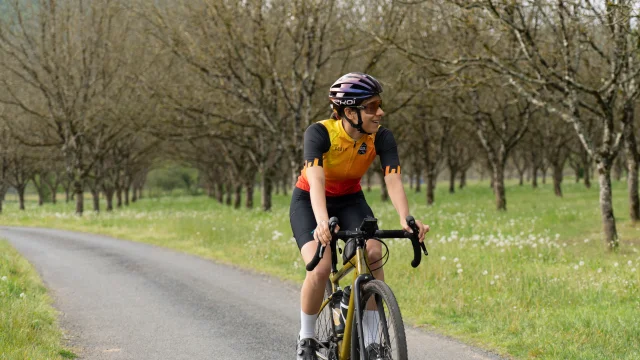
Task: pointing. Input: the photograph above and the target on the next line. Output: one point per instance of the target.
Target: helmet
(352, 89)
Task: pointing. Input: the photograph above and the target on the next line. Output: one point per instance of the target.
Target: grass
(532, 282)
(28, 328)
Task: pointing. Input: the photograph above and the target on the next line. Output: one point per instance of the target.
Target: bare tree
(63, 55)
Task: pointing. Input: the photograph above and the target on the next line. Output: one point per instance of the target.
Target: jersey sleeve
(316, 143)
(387, 148)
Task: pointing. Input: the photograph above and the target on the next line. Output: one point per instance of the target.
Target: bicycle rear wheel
(326, 330)
(387, 339)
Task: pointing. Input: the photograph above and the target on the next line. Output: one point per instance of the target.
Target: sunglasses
(371, 108)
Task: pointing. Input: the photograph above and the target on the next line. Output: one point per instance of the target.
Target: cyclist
(337, 153)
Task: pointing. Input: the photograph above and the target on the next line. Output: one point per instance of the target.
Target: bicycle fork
(360, 280)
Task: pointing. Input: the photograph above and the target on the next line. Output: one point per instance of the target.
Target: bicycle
(345, 340)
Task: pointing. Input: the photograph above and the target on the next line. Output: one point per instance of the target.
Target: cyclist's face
(371, 114)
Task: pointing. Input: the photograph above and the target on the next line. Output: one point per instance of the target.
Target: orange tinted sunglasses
(371, 108)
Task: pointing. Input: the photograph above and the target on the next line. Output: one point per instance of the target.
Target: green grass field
(534, 282)
(28, 324)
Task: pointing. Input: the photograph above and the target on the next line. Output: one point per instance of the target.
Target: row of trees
(229, 87)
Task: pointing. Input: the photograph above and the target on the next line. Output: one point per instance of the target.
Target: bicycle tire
(326, 330)
(390, 333)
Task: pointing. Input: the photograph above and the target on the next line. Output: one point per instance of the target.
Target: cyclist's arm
(395, 188)
(387, 148)
(316, 143)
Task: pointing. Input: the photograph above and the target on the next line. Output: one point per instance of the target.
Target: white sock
(307, 325)
(370, 322)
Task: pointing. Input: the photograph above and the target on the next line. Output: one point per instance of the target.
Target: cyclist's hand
(424, 229)
(322, 234)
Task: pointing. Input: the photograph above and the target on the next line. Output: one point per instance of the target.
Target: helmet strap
(357, 126)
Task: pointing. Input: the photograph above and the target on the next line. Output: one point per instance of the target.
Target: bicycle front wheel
(382, 325)
(326, 329)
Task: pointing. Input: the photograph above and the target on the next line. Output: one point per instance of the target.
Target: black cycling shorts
(350, 210)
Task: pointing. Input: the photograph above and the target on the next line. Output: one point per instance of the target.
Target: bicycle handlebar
(382, 234)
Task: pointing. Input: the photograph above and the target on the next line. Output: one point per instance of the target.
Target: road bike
(340, 329)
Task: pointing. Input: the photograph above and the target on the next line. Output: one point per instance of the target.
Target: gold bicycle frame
(361, 268)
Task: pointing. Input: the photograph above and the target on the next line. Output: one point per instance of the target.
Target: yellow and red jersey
(344, 160)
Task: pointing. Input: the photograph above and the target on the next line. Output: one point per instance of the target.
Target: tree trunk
(632, 186)
(96, 200)
(534, 177)
(418, 182)
(586, 164)
(134, 196)
(498, 186)
(463, 179)
(238, 196)
(66, 195)
(118, 198)
(267, 185)
(40, 193)
(20, 190)
(229, 192)
(220, 192)
(126, 196)
(606, 206)
(109, 195)
(384, 194)
(557, 179)
(632, 165)
(249, 188)
(431, 185)
(54, 193)
(617, 168)
(452, 181)
(544, 174)
(79, 194)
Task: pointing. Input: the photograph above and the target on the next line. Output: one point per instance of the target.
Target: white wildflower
(485, 272)
(492, 282)
(22, 295)
(443, 258)
(456, 260)
(576, 267)
(615, 264)
(497, 277)
(460, 271)
(458, 266)
(4, 278)
(599, 270)
(581, 263)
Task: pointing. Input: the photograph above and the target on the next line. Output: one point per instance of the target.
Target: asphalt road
(125, 300)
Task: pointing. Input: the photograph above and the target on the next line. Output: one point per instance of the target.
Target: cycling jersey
(345, 160)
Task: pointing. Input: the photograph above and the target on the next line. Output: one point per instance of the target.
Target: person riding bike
(337, 153)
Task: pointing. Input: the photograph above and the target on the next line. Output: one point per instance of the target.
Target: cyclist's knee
(374, 250)
(321, 272)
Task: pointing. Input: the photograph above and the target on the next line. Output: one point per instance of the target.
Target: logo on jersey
(339, 148)
(363, 149)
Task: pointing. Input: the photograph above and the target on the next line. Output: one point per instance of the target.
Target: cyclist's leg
(351, 215)
(312, 292)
